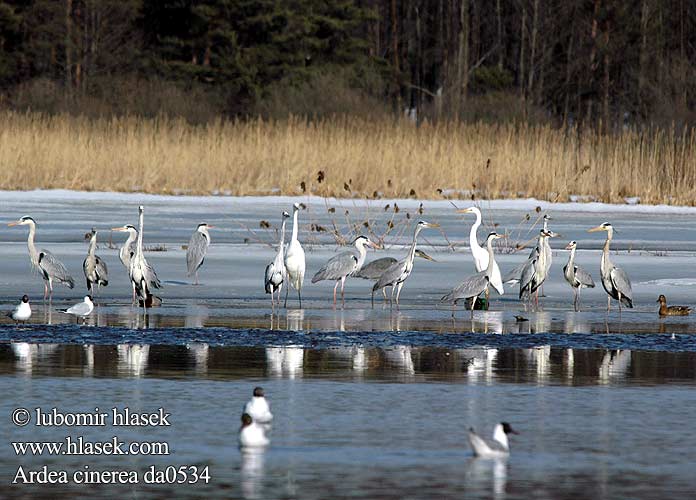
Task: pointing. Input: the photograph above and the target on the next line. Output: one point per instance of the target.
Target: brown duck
(666, 310)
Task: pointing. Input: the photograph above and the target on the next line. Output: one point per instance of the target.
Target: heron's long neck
(92, 246)
(412, 251)
(473, 240)
(542, 250)
(571, 258)
(33, 252)
(132, 235)
(491, 257)
(294, 225)
(606, 263)
(362, 253)
(546, 225)
(282, 236)
(139, 247)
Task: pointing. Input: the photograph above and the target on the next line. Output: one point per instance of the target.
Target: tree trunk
(463, 55)
(593, 63)
(395, 55)
(532, 47)
(643, 58)
(499, 19)
(68, 45)
(606, 122)
(520, 68)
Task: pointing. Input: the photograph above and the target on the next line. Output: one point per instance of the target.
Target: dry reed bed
(390, 158)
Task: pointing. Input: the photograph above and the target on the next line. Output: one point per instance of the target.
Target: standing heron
(295, 259)
(94, 267)
(142, 275)
(275, 271)
(344, 264)
(45, 262)
(576, 276)
(376, 268)
(480, 254)
(475, 285)
(395, 275)
(514, 276)
(197, 248)
(614, 279)
(126, 252)
(536, 269)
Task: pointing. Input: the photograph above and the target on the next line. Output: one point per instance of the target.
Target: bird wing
(472, 286)
(78, 309)
(102, 271)
(195, 253)
(516, 273)
(273, 277)
(583, 277)
(527, 275)
(478, 445)
(391, 275)
(621, 282)
(55, 269)
(375, 269)
(337, 267)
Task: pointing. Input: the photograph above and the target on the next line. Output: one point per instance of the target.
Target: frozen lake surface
(369, 403)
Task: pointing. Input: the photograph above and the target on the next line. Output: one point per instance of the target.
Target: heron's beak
(425, 256)
(15, 223)
(211, 227)
(464, 210)
(374, 245)
(555, 235)
(118, 228)
(569, 246)
(433, 225)
(596, 229)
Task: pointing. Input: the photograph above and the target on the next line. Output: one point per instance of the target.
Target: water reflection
(252, 472)
(488, 475)
(542, 365)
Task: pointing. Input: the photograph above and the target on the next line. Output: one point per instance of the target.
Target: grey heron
(536, 268)
(479, 253)
(344, 264)
(614, 279)
(126, 252)
(142, 274)
(81, 309)
(197, 248)
(576, 276)
(514, 276)
(376, 268)
(21, 312)
(295, 259)
(396, 275)
(474, 285)
(94, 267)
(275, 273)
(45, 262)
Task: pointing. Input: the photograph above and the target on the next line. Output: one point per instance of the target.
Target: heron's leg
(384, 293)
(343, 298)
(299, 296)
(608, 303)
(576, 291)
(196, 282)
(45, 290)
(473, 306)
(398, 293)
(391, 298)
(372, 299)
(334, 295)
(286, 297)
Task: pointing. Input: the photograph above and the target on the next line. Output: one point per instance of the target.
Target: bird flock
(257, 418)
(287, 269)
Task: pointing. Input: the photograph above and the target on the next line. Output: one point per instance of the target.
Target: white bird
(142, 275)
(126, 252)
(22, 312)
(45, 262)
(499, 447)
(275, 273)
(197, 249)
(295, 259)
(81, 309)
(251, 434)
(345, 264)
(94, 267)
(258, 407)
(480, 253)
(475, 285)
(576, 276)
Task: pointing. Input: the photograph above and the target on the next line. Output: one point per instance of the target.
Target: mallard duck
(666, 310)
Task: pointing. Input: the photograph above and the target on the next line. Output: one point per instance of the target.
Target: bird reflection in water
(294, 319)
(132, 359)
(199, 352)
(285, 362)
(482, 472)
(252, 472)
(195, 317)
(615, 365)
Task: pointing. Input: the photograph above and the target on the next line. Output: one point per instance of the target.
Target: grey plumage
(142, 274)
(275, 272)
(373, 270)
(50, 268)
(614, 279)
(96, 272)
(536, 268)
(197, 249)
